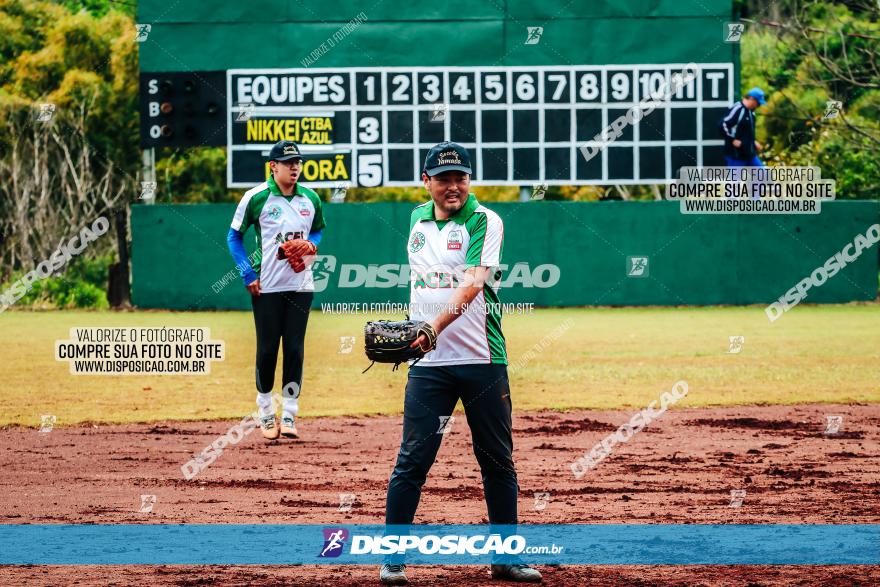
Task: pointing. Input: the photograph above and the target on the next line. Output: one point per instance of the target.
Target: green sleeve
(420, 212)
(250, 218)
(318, 223)
(414, 217)
(476, 227)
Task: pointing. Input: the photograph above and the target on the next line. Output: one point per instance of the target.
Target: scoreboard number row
(384, 88)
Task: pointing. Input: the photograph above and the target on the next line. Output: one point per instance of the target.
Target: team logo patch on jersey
(416, 242)
(453, 241)
(274, 212)
(303, 209)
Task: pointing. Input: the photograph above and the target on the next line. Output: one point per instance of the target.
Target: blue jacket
(738, 123)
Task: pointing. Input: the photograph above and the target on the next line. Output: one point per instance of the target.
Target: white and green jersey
(277, 218)
(440, 251)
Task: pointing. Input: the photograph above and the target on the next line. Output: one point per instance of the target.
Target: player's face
(286, 172)
(449, 189)
(751, 103)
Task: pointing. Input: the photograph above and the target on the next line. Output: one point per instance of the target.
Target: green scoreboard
(530, 90)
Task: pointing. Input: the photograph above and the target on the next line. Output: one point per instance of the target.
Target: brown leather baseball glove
(298, 252)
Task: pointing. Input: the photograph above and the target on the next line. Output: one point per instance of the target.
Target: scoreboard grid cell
(384, 131)
(636, 127)
(509, 97)
(573, 100)
(699, 117)
(572, 133)
(353, 123)
(603, 153)
(667, 134)
(542, 122)
(478, 131)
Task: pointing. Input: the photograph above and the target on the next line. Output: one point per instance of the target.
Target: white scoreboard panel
(370, 126)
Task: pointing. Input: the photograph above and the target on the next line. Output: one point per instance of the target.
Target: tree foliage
(816, 54)
(68, 112)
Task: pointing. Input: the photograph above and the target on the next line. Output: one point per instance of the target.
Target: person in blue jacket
(738, 129)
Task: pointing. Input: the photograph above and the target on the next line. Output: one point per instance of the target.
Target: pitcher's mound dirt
(680, 469)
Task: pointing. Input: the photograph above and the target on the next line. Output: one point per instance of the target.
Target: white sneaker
(268, 428)
(393, 574)
(288, 428)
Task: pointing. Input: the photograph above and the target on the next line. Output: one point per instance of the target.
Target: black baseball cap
(283, 151)
(447, 157)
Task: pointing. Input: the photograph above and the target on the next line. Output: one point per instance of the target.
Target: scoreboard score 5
(370, 127)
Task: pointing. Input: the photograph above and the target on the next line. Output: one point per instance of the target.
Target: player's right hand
(299, 253)
(254, 287)
(426, 340)
(737, 143)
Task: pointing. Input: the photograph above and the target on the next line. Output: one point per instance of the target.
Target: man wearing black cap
(288, 221)
(454, 251)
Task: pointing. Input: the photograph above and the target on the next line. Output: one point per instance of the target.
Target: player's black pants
(431, 392)
(280, 317)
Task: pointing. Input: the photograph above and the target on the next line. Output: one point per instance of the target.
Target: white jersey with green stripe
(276, 218)
(440, 251)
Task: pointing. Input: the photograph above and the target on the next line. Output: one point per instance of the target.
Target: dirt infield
(680, 469)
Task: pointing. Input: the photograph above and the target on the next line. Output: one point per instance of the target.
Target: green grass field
(604, 358)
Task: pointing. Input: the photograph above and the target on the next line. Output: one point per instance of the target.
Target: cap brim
(442, 168)
(287, 158)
